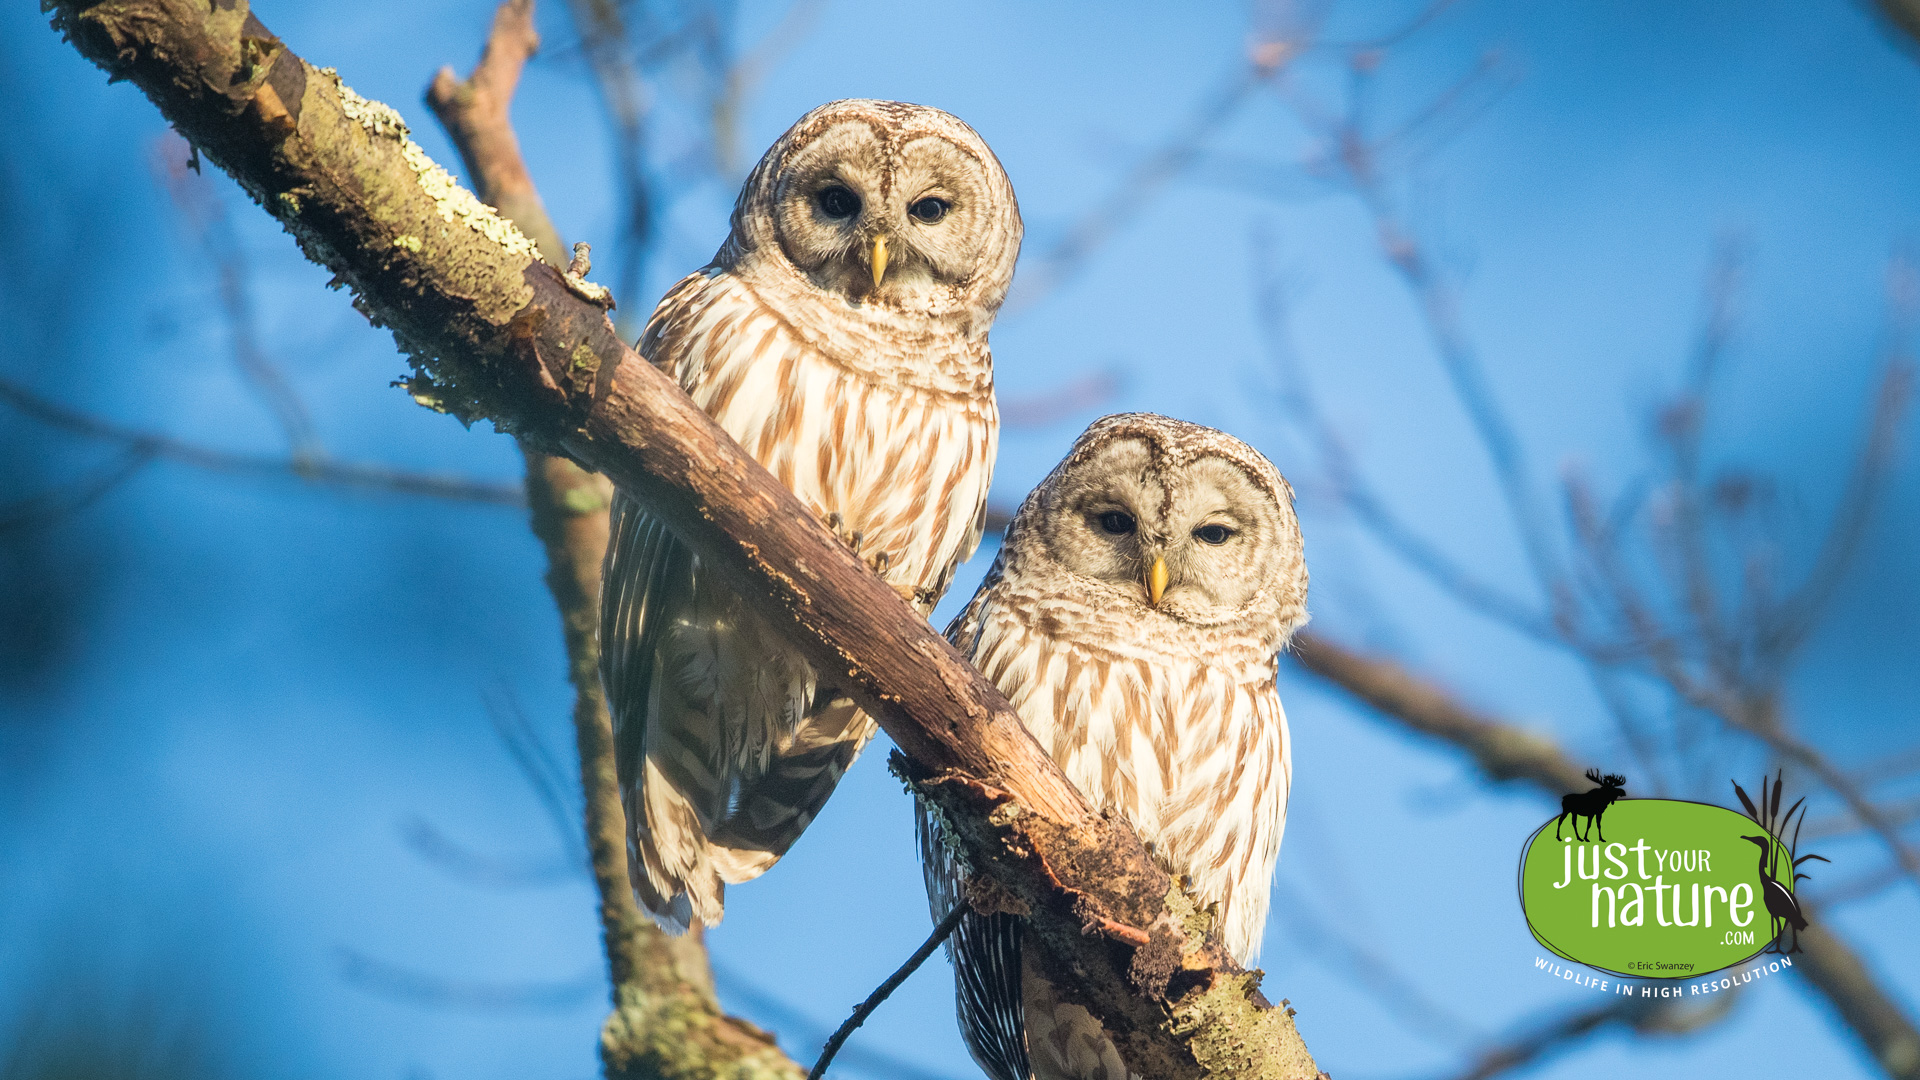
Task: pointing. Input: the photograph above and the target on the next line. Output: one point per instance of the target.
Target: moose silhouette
(1591, 804)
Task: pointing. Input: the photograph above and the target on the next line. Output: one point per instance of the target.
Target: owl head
(1177, 520)
(882, 204)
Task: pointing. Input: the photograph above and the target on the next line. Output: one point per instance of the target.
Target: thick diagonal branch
(494, 333)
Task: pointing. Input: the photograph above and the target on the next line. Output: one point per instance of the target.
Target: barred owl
(840, 336)
(1134, 619)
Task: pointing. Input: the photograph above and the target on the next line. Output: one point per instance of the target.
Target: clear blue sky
(255, 687)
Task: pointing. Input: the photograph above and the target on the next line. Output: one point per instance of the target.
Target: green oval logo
(1674, 890)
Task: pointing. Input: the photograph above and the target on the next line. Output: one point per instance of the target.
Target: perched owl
(1134, 619)
(840, 336)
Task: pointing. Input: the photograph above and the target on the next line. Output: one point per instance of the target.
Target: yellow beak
(879, 259)
(1156, 581)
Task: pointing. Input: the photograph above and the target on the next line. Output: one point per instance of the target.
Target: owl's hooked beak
(1156, 581)
(879, 263)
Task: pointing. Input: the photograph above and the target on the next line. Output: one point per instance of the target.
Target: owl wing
(647, 581)
(725, 750)
(727, 747)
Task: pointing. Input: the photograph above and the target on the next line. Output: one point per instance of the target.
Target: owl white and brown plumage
(840, 336)
(1134, 619)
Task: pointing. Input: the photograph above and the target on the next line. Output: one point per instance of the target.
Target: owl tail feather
(669, 862)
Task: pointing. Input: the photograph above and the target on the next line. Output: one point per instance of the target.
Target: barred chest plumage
(890, 441)
(1189, 744)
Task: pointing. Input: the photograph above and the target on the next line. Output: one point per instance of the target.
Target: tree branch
(494, 333)
(324, 472)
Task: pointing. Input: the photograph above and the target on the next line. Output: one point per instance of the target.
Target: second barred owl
(840, 336)
(1134, 619)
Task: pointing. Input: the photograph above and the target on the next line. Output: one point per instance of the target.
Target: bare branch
(323, 472)
(1542, 1038)
(1859, 888)
(623, 95)
(195, 199)
(63, 502)
(1504, 752)
(418, 988)
(1876, 819)
(1802, 610)
(1356, 161)
(1074, 398)
(1401, 998)
(941, 932)
(1345, 479)
(807, 1030)
(1904, 812)
(475, 114)
(1894, 766)
(461, 862)
(1048, 270)
(746, 74)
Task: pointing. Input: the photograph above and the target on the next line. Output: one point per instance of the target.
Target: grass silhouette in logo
(1781, 905)
(1591, 804)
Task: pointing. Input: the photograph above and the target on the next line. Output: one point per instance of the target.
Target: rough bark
(1507, 752)
(495, 333)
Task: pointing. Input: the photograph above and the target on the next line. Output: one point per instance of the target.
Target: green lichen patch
(453, 202)
(1229, 1036)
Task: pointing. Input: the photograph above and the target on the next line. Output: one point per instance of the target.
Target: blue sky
(205, 791)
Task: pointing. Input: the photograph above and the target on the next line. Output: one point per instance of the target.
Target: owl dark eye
(1213, 534)
(1117, 522)
(837, 202)
(929, 210)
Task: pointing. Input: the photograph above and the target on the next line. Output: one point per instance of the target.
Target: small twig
(1862, 493)
(940, 934)
(1869, 884)
(1394, 990)
(623, 93)
(326, 473)
(455, 859)
(1904, 812)
(55, 505)
(1053, 267)
(544, 774)
(420, 988)
(799, 1026)
(1076, 397)
(746, 74)
(206, 216)
(1350, 487)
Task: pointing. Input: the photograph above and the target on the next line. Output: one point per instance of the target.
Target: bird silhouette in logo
(1782, 907)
